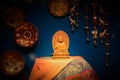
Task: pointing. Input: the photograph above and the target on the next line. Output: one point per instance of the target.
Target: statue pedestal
(60, 55)
(48, 68)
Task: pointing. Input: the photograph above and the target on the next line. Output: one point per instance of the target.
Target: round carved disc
(11, 62)
(13, 16)
(26, 35)
(58, 7)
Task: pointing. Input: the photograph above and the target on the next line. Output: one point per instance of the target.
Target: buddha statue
(60, 44)
(62, 66)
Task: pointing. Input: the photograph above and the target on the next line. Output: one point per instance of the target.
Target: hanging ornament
(94, 19)
(107, 25)
(107, 45)
(77, 14)
(104, 33)
(95, 23)
(94, 6)
(77, 19)
(107, 59)
(72, 22)
(58, 8)
(74, 14)
(95, 36)
(102, 24)
(86, 28)
(102, 30)
(102, 36)
(95, 31)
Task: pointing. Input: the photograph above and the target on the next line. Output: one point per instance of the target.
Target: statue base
(60, 55)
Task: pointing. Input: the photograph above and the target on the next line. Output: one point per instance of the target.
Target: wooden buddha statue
(60, 44)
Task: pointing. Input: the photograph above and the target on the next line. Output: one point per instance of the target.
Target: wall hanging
(12, 16)
(61, 8)
(74, 14)
(58, 8)
(104, 32)
(94, 23)
(86, 22)
(11, 63)
(26, 34)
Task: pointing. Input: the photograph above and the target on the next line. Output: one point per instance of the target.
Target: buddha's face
(60, 39)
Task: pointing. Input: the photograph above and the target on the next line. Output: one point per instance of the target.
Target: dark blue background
(36, 12)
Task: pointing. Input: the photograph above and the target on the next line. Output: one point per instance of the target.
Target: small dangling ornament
(95, 23)
(102, 36)
(86, 28)
(94, 19)
(72, 22)
(107, 59)
(77, 19)
(74, 15)
(107, 45)
(107, 54)
(94, 36)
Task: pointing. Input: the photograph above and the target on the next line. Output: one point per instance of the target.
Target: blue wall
(38, 14)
